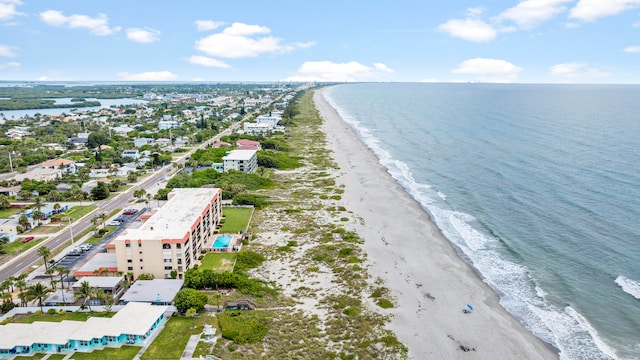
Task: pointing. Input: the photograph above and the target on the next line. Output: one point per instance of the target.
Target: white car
(113, 223)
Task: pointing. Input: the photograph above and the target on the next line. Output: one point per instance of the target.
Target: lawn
(76, 212)
(236, 220)
(77, 316)
(18, 246)
(171, 342)
(218, 261)
(6, 213)
(94, 240)
(56, 356)
(122, 353)
(31, 357)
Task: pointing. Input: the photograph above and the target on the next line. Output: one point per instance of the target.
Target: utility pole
(70, 230)
(10, 162)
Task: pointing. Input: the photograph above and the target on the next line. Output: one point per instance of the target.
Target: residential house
(111, 285)
(167, 124)
(67, 166)
(219, 144)
(138, 142)
(131, 153)
(243, 144)
(156, 291)
(17, 133)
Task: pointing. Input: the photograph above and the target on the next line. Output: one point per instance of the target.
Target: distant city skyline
(530, 41)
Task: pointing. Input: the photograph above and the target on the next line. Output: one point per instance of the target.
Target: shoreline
(430, 283)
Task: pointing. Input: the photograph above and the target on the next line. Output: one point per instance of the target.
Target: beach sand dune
(430, 284)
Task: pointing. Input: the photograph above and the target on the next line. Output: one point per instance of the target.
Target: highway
(30, 257)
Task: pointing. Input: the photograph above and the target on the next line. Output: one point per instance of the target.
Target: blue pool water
(221, 242)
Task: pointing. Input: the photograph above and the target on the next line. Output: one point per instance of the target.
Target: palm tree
(85, 292)
(12, 281)
(37, 204)
(56, 207)
(37, 216)
(38, 291)
(54, 195)
(50, 271)
(103, 218)
(24, 298)
(45, 253)
(63, 272)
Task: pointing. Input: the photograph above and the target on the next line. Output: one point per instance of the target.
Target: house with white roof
(241, 160)
(133, 324)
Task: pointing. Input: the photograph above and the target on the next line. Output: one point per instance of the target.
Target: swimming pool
(222, 242)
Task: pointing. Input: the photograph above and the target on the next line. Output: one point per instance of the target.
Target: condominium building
(241, 160)
(172, 238)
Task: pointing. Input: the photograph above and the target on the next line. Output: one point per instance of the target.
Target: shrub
(62, 311)
(385, 304)
(51, 311)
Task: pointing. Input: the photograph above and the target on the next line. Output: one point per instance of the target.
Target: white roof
(240, 155)
(133, 319)
(175, 218)
(156, 290)
(99, 281)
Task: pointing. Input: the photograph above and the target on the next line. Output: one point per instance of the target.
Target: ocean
(537, 186)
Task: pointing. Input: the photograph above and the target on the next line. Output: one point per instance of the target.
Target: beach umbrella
(470, 307)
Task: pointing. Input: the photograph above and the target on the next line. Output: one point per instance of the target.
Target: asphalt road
(30, 257)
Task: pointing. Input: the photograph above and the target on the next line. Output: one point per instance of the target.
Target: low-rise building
(241, 160)
(170, 241)
(131, 153)
(156, 291)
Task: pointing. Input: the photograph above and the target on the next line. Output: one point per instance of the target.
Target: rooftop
(175, 218)
(99, 281)
(156, 290)
(133, 319)
(240, 155)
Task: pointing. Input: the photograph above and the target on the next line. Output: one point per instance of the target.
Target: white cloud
(143, 36)
(97, 26)
(8, 9)
(632, 49)
(240, 29)
(207, 61)
(7, 51)
(573, 71)
(327, 71)
(304, 45)
(469, 29)
(10, 65)
(244, 41)
(382, 67)
(530, 13)
(488, 70)
(591, 10)
(148, 76)
(204, 25)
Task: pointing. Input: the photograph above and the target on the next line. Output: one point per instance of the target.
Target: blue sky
(530, 41)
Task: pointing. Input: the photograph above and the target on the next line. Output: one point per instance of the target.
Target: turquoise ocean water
(538, 186)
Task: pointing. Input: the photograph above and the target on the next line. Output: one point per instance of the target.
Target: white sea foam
(564, 328)
(629, 286)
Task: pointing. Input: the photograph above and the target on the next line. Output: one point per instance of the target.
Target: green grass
(56, 356)
(6, 213)
(218, 261)
(171, 342)
(76, 212)
(31, 357)
(95, 240)
(77, 316)
(18, 246)
(236, 220)
(122, 353)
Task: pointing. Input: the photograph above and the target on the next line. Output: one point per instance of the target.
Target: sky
(530, 41)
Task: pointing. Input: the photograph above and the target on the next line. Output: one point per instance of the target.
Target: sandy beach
(430, 284)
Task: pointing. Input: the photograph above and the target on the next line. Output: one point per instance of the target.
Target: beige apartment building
(171, 239)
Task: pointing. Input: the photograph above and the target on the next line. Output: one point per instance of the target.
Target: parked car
(28, 238)
(130, 212)
(113, 223)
